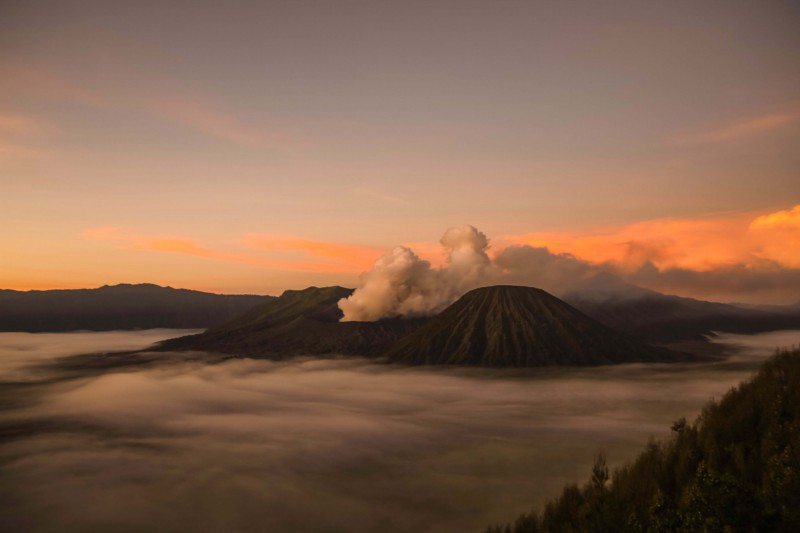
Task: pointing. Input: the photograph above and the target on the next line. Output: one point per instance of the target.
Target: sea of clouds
(166, 442)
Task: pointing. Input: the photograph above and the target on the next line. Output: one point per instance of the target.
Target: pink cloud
(736, 131)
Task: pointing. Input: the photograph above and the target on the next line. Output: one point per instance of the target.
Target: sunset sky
(259, 146)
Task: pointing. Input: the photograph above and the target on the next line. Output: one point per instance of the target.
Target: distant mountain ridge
(657, 317)
(603, 321)
(124, 306)
(512, 326)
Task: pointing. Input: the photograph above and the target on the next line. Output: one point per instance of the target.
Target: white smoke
(402, 284)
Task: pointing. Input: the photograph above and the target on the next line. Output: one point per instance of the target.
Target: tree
(600, 471)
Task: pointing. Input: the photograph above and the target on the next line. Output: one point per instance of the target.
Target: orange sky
(751, 239)
(258, 147)
(701, 243)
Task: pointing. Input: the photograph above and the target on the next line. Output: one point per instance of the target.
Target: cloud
(218, 124)
(192, 248)
(752, 257)
(307, 445)
(402, 284)
(764, 282)
(527, 265)
(726, 283)
(739, 256)
(172, 103)
(316, 257)
(699, 243)
(789, 218)
(739, 130)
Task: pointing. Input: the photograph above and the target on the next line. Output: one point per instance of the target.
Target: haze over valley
(317, 444)
(399, 266)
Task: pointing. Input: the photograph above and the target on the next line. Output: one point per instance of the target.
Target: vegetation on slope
(736, 469)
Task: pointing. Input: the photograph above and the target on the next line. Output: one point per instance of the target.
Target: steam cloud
(402, 284)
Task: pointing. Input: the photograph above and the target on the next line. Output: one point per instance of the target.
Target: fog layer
(314, 445)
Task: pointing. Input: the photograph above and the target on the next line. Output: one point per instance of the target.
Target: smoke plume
(402, 284)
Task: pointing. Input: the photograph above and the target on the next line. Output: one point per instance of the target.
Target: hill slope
(304, 322)
(518, 327)
(657, 317)
(118, 307)
(736, 469)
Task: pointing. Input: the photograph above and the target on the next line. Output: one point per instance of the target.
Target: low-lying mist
(314, 445)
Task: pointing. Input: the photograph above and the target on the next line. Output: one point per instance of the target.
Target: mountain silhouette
(122, 306)
(657, 317)
(511, 326)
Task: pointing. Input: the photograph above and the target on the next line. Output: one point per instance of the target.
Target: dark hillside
(518, 327)
(304, 322)
(656, 317)
(736, 469)
(118, 307)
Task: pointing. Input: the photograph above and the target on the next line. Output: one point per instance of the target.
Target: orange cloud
(778, 236)
(701, 243)
(789, 218)
(759, 241)
(348, 259)
(736, 131)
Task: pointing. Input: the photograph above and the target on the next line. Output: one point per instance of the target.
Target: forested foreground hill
(736, 469)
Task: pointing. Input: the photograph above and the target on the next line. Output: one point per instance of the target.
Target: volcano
(510, 326)
(299, 322)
